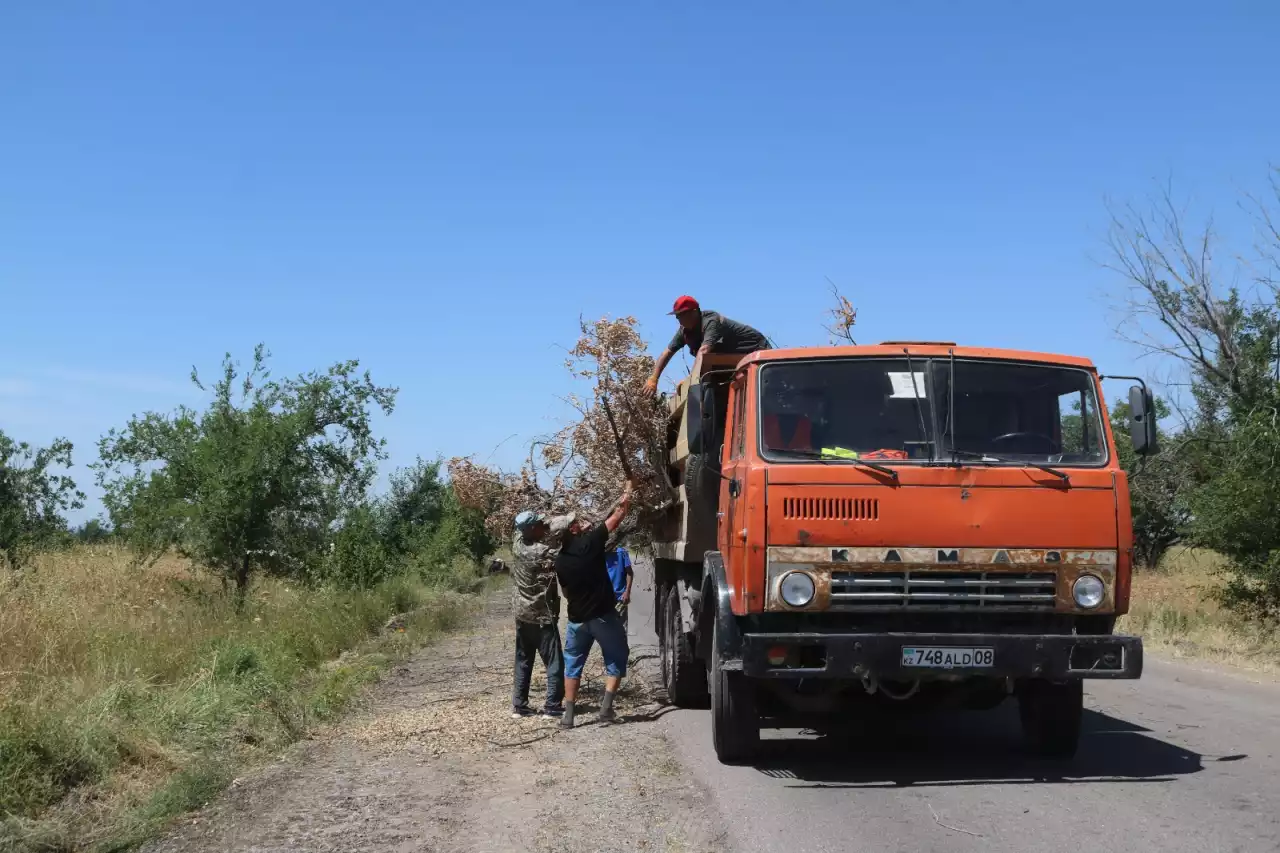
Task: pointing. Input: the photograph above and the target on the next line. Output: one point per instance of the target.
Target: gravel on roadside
(434, 762)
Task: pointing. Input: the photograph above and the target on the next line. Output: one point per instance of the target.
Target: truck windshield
(1018, 412)
(900, 411)
(840, 407)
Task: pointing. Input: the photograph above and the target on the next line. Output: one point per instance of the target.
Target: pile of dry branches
(501, 496)
(581, 467)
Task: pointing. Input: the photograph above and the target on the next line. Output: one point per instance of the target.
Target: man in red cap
(704, 332)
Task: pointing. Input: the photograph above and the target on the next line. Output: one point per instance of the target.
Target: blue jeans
(609, 632)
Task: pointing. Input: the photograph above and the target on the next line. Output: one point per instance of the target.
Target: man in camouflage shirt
(535, 602)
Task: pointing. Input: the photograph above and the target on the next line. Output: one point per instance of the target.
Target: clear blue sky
(440, 189)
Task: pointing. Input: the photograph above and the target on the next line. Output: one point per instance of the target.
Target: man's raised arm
(620, 512)
(651, 386)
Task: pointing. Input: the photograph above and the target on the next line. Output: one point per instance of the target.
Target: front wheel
(735, 720)
(1051, 716)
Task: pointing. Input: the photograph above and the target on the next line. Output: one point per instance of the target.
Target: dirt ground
(434, 762)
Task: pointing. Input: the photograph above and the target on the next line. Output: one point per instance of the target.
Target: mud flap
(715, 606)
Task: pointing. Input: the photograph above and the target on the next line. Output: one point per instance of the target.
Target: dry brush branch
(843, 317)
(616, 432)
(1175, 305)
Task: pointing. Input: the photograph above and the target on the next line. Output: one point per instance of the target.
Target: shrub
(33, 498)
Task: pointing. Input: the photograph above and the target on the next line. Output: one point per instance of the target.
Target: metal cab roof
(918, 350)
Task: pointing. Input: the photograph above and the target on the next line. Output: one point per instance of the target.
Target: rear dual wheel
(683, 675)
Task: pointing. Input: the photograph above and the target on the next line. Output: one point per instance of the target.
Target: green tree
(33, 497)
(92, 532)
(1189, 308)
(359, 556)
(413, 508)
(1236, 512)
(254, 482)
(417, 526)
(425, 527)
(461, 532)
(1160, 515)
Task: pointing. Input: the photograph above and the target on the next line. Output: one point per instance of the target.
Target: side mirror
(693, 418)
(1142, 420)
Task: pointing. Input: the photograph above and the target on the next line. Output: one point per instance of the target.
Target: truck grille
(831, 509)
(944, 590)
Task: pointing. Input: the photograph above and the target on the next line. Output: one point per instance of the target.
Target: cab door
(732, 515)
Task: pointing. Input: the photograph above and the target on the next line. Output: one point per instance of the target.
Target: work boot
(566, 722)
(607, 714)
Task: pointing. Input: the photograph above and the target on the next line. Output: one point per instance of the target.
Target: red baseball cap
(685, 303)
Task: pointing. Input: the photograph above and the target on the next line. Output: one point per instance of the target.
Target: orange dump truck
(918, 524)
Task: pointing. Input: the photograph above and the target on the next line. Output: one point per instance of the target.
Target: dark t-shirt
(724, 335)
(583, 576)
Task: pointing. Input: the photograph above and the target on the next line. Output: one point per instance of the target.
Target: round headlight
(1088, 591)
(797, 589)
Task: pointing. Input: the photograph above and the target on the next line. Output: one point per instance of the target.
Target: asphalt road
(1179, 760)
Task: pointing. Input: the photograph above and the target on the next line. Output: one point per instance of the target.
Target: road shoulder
(434, 762)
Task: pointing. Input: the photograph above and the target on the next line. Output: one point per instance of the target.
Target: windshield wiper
(819, 456)
(987, 457)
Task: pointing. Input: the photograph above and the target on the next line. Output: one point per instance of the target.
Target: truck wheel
(735, 721)
(683, 675)
(1051, 716)
(702, 487)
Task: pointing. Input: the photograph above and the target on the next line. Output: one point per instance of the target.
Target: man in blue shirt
(618, 562)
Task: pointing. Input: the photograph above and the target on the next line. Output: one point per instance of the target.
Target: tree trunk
(242, 581)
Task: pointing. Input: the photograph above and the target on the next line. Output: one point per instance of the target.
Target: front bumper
(1052, 656)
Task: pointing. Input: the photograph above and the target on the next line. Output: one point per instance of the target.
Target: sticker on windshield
(902, 386)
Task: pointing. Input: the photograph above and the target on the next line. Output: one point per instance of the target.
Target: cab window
(739, 419)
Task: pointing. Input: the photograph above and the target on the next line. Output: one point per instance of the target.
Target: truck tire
(702, 489)
(683, 675)
(702, 470)
(1051, 716)
(735, 720)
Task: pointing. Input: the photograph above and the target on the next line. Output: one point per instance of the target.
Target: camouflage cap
(559, 524)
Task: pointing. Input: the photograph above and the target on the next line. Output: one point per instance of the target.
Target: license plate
(946, 657)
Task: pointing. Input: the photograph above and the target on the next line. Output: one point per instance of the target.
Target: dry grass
(1175, 610)
(128, 695)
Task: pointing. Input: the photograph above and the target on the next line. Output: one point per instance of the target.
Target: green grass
(1175, 608)
(128, 696)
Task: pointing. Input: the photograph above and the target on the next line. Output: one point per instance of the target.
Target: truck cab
(910, 524)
